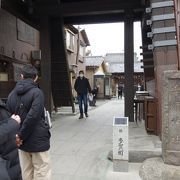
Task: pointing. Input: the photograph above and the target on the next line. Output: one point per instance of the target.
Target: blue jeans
(82, 99)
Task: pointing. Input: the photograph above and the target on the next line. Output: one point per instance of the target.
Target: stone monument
(169, 167)
(120, 144)
(171, 117)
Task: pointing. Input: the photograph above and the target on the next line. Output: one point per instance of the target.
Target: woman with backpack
(9, 159)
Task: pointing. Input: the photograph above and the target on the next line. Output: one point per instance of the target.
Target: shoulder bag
(47, 119)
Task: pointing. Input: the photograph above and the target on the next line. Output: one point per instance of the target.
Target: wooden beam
(84, 8)
(129, 67)
(45, 45)
(92, 19)
(146, 53)
(147, 60)
(147, 66)
(95, 7)
(74, 12)
(100, 18)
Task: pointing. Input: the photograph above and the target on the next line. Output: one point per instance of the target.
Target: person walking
(9, 159)
(82, 87)
(33, 138)
(120, 91)
(92, 99)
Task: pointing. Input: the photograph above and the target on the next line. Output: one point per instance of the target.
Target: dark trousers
(82, 99)
(120, 94)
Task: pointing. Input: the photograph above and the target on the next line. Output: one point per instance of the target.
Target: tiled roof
(116, 68)
(94, 61)
(119, 67)
(116, 63)
(117, 57)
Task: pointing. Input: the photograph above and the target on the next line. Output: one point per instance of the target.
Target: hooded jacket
(8, 148)
(27, 101)
(82, 86)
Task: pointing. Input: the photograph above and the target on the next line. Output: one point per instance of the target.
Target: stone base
(171, 157)
(155, 169)
(138, 156)
(120, 166)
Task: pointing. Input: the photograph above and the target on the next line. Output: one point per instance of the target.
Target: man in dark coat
(82, 88)
(120, 91)
(9, 126)
(33, 138)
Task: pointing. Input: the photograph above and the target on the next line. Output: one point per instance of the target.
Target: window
(81, 51)
(70, 40)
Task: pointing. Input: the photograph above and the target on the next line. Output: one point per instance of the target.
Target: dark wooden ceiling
(76, 11)
(97, 11)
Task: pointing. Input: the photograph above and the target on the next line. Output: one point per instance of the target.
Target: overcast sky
(109, 38)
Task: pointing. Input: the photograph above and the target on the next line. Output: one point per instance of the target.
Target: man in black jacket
(82, 88)
(33, 138)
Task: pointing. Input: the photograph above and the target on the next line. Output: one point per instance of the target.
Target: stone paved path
(79, 148)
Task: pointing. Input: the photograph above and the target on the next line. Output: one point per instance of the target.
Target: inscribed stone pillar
(120, 144)
(129, 68)
(171, 117)
(45, 47)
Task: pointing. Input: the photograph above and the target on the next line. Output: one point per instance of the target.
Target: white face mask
(81, 75)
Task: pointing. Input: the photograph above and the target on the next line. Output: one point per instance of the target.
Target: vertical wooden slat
(61, 85)
(45, 60)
